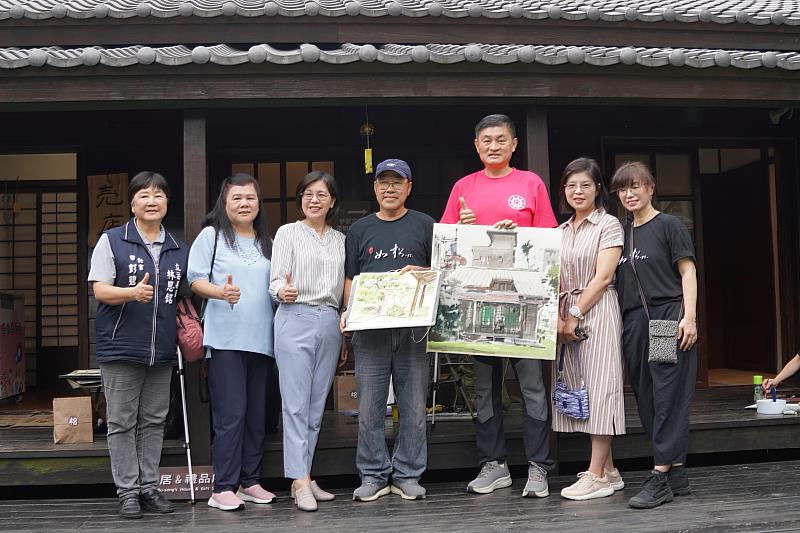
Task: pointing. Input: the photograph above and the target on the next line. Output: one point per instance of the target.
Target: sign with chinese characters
(12, 345)
(108, 203)
(173, 482)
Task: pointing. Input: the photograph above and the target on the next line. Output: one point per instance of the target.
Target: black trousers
(663, 391)
(490, 438)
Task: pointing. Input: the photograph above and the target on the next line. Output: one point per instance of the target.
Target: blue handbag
(572, 403)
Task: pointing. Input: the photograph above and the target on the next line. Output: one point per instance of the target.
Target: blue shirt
(248, 326)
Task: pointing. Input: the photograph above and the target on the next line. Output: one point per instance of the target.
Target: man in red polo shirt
(505, 197)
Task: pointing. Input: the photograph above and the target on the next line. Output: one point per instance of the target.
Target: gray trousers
(307, 345)
(137, 400)
(490, 439)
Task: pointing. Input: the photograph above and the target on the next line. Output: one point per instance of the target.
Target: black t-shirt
(375, 245)
(658, 246)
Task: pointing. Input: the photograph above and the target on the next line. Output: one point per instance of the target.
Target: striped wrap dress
(601, 354)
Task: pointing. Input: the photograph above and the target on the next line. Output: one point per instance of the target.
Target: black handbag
(572, 403)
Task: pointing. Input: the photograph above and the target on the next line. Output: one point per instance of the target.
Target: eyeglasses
(321, 196)
(635, 188)
(384, 186)
(572, 187)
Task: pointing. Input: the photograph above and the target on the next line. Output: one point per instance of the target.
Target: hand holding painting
(143, 292)
(230, 292)
(288, 293)
(465, 215)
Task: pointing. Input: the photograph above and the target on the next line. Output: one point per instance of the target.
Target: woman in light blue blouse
(229, 265)
(308, 280)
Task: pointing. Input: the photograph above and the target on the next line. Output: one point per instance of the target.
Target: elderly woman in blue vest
(135, 272)
(229, 265)
(308, 279)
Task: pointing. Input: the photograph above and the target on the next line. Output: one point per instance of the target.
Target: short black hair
(330, 183)
(495, 121)
(590, 166)
(145, 179)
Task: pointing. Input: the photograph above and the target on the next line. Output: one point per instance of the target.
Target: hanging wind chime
(367, 130)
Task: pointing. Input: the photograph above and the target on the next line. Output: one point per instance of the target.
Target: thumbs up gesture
(142, 292)
(465, 215)
(231, 292)
(288, 293)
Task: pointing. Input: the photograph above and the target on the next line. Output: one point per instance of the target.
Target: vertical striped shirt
(315, 264)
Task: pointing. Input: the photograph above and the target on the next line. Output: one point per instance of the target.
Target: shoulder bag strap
(636, 275)
(210, 271)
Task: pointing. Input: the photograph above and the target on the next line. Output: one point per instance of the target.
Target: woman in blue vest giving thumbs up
(135, 272)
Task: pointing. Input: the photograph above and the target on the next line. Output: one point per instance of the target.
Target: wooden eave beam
(276, 30)
(250, 84)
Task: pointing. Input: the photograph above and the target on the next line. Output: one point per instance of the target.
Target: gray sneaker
(370, 491)
(408, 489)
(493, 475)
(537, 482)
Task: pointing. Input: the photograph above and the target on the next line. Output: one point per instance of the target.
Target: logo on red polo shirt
(516, 202)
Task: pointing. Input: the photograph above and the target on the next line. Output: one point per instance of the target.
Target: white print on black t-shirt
(516, 202)
(637, 254)
(395, 250)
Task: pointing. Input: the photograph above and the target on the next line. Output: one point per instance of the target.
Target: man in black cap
(394, 238)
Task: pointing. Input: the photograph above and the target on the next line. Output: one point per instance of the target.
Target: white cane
(182, 373)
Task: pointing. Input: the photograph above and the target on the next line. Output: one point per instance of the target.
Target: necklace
(249, 254)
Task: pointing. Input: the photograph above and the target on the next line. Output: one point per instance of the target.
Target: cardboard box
(72, 420)
(345, 393)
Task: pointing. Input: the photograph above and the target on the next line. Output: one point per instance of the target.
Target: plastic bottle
(758, 392)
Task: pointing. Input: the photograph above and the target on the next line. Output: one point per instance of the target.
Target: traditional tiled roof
(526, 283)
(716, 11)
(222, 54)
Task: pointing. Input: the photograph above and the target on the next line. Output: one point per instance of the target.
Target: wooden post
(195, 204)
(537, 158)
(195, 172)
(537, 151)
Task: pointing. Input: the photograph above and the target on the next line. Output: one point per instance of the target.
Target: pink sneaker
(256, 494)
(225, 501)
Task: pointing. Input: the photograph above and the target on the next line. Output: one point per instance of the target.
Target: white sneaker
(588, 487)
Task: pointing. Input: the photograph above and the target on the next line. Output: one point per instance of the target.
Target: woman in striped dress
(591, 247)
(307, 278)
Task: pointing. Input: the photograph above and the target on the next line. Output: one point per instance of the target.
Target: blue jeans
(381, 354)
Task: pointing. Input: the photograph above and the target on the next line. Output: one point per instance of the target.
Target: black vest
(133, 331)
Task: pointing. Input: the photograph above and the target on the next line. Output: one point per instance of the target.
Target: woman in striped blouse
(307, 279)
(591, 246)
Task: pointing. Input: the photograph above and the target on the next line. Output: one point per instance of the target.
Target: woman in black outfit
(665, 265)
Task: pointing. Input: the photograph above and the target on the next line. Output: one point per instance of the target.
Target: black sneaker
(155, 502)
(679, 481)
(130, 508)
(655, 491)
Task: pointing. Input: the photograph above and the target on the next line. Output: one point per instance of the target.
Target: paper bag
(72, 420)
(345, 393)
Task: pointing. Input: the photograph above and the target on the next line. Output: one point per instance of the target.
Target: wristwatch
(575, 311)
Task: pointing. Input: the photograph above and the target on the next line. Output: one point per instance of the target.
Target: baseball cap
(395, 165)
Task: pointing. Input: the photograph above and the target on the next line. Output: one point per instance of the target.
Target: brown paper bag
(72, 420)
(345, 393)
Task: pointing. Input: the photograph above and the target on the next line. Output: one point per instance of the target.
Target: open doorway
(743, 330)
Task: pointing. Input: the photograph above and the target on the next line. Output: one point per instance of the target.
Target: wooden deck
(761, 497)
(718, 424)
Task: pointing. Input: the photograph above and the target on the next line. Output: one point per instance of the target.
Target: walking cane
(436, 378)
(182, 373)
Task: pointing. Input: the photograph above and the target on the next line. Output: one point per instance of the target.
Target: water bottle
(758, 391)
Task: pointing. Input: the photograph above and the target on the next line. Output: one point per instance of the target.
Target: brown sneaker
(588, 487)
(615, 479)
